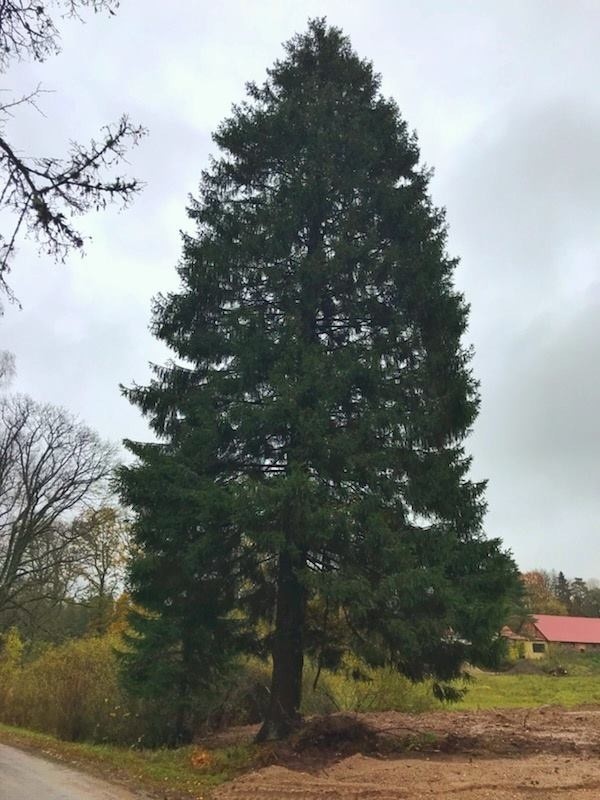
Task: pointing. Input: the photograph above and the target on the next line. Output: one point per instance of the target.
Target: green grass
(580, 686)
(379, 690)
(386, 690)
(169, 773)
(528, 691)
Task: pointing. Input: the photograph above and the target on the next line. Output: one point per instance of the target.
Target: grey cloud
(504, 98)
(538, 439)
(529, 199)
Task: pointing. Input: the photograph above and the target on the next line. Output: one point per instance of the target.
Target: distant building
(580, 633)
(523, 646)
(534, 637)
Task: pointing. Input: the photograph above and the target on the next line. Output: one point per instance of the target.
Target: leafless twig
(50, 467)
(44, 194)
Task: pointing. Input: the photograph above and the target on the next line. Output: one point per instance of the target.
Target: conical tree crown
(320, 366)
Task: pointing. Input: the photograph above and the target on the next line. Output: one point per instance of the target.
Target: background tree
(552, 593)
(7, 368)
(77, 581)
(562, 590)
(50, 466)
(44, 193)
(539, 595)
(320, 363)
(590, 606)
(579, 592)
(99, 551)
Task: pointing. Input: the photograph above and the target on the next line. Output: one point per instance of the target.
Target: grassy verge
(528, 691)
(185, 772)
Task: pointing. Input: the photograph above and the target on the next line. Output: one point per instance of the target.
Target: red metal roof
(580, 630)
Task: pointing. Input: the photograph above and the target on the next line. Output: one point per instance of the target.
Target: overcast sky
(505, 99)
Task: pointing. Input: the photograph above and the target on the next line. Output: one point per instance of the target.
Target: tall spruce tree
(319, 359)
(562, 590)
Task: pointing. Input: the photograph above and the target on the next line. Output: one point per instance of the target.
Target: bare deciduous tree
(44, 193)
(101, 540)
(7, 368)
(51, 466)
(99, 547)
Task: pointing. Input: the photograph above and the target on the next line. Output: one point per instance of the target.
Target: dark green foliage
(578, 596)
(182, 637)
(562, 589)
(321, 396)
(591, 603)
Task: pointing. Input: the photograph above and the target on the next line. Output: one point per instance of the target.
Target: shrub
(356, 687)
(70, 691)
(73, 691)
(11, 655)
(243, 696)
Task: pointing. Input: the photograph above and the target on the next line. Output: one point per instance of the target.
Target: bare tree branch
(27, 29)
(51, 466)
(44, 194)
(7, 368)
(100, 547)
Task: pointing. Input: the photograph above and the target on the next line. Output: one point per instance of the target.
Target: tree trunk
(183, 733)
(283, 714)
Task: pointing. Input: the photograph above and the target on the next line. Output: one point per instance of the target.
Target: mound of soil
(525, 666)
(340, 733)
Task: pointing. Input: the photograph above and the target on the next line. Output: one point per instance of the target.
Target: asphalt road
(26, 777)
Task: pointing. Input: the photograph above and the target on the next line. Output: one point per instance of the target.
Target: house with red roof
(580, 633)
(534, 638)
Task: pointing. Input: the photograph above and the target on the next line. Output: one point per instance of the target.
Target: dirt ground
(493, 755)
